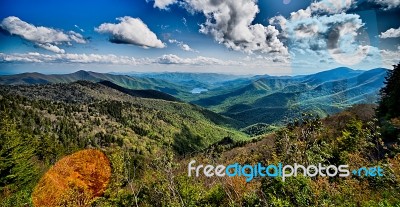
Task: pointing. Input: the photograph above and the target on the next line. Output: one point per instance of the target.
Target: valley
(247, 99)
(149, 136)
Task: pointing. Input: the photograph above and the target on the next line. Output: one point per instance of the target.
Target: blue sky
(279, 37)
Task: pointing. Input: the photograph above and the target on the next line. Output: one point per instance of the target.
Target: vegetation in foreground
(150, 142)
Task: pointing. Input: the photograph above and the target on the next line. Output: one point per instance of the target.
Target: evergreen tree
(17, 170)
(388, 110)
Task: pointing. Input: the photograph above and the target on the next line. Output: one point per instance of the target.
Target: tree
(74, 180)
(388, 110)
(17, 169)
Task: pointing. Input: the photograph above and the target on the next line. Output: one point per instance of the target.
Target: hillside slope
(40, 124)
(121, 80)
(140, 93)
(93, 106)
(272, 99)
(249, 100)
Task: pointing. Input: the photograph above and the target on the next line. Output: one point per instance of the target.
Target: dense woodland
(149, 143)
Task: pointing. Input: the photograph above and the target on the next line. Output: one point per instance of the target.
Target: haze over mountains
(247, 99)
(271, 99)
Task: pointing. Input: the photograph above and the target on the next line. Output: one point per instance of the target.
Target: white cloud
(386, 58)
(21, 58)
(131, 31)
(182, 45)
(168, 62)
(50, 47)
(76, 37)
(325, 32)
(230, 23)
(68, 58)
(390, 57)
(110, 59)
(350, 58)
(323, 6)
(331, 6)
(43, 37)
(364, 57)
(30, 32)
(200, 60)
(330, 35)
(184, 21)
(80, 29)
(321, 32)
(390, 33)
(300, 14)
(263, 60)
(387, 4)
(163, 4)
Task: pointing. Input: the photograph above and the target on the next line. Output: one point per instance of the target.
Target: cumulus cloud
(163, 4)
(325, 32)
(130, 31)
(320, 32)
(43, 37)
(323, 7)
(230, 23)
(300, 14)
(335, 35)
(390, 33)
(182, 45)
(387, 4)
(307, 19)
(331, 6)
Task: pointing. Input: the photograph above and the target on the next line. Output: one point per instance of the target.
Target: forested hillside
(121, 80)
(272, 99)
(43, 123)
(249, 99)
(148, 144)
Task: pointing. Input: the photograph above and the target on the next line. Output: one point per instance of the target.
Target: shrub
(74, 180)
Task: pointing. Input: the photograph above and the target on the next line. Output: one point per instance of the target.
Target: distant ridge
(249, 100)
(121, 80)
(329, 75)
(141, 93)
(268, 99)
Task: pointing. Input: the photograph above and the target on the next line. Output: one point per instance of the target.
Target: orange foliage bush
(74, 180)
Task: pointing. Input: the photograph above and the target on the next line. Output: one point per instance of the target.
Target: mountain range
(247, 99)
(148, 137)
